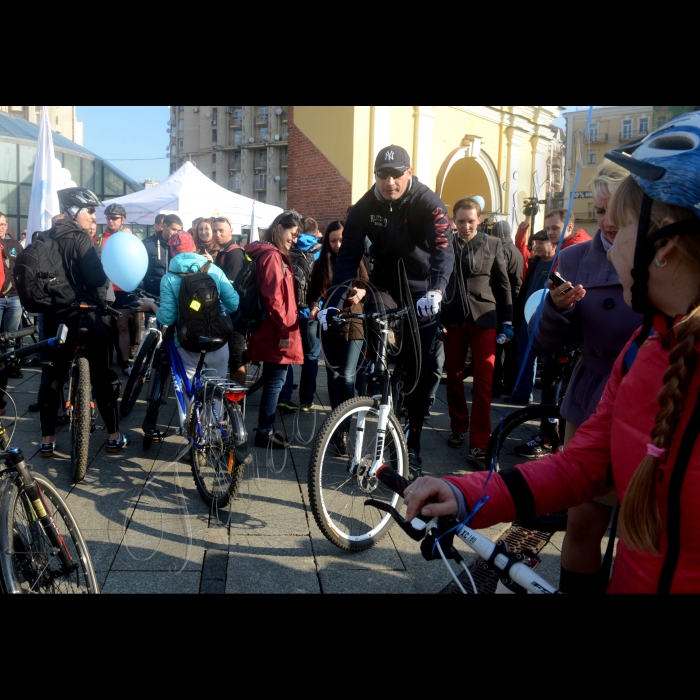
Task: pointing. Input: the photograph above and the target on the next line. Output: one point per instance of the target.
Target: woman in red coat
(277, 341)
(647, 423)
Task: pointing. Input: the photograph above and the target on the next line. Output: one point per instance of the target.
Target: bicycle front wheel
(137, 378)
(338, 474)
(81, 419)
(217, 464)
(158, 395)
(28, 560)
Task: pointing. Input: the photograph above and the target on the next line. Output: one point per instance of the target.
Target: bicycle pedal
(93, 428)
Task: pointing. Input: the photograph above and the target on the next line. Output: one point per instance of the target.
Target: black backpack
(251, 308)
(40, 277)
(199, 311)
(302, 262)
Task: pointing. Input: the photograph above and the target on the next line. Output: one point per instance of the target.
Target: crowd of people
(627, 298)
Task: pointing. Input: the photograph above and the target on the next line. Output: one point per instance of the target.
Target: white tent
(190, 194)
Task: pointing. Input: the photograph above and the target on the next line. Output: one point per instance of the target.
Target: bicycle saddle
(208, 344)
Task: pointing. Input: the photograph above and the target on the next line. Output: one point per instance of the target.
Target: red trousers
(483, 343)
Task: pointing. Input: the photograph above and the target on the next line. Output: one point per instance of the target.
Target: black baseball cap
(540, 236)
(393, 157)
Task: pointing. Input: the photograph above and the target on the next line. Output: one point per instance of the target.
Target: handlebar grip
(7, 337)
(392, 480)
(111, 311)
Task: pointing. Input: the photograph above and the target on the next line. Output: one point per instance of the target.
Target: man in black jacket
(230, 259)
(159, 253)
(408, 226)
(83, 268)
(477, 306)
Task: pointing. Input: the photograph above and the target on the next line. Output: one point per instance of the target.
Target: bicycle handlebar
(103, 308)
(19, 353)
(396, 313)
(5, 338)
(497, 556)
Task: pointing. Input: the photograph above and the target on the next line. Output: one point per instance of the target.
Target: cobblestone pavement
(149, 532)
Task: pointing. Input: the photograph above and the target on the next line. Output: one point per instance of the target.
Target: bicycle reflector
(234, 396)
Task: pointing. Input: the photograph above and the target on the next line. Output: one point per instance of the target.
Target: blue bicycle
(210, 418)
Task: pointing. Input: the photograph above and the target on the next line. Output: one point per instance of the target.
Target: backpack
(40, 277)
(251, 309)
(199, 311)
(302, 262)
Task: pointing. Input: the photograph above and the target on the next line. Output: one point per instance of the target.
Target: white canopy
(190, 194)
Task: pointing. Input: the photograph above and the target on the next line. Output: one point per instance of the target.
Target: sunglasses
(390, 172)
(109, 218)
(216, 219)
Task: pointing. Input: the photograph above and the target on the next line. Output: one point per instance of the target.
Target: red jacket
(617, 434)
(276, 283)
(521, 243)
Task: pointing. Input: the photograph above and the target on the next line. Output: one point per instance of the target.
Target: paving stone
(355, 581)
(152, 582)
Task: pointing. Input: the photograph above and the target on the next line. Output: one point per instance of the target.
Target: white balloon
(64, 175)
(56, 164)
(532, 304)
(70, 183)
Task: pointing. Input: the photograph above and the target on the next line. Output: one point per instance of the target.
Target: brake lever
(412, 531)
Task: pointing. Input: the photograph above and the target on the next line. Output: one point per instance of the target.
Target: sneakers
(273, 440)
(306, 407)
(287, 407)
(478, 454)
(534, 449)
(120, 443)
(47, 449)
(415, 465)
(455, 440)
(127, 370)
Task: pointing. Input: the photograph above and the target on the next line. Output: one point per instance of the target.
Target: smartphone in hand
(557, 280)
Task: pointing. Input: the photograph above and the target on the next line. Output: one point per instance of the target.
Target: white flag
(253, 227)
(43, 204)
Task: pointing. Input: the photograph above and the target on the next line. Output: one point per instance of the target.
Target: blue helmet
(666, 163)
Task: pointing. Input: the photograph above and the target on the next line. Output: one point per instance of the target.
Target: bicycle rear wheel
(158, 395)
(137, 378)
(217, 466)
(338, 483)
(80, 420)
(28, 560)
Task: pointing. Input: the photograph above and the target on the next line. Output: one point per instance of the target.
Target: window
(213, 157)
(626, 128)
(644, 125)
(234, 182)
(181, 144)
(181, 108)
(591, 157)
(237, 138)
(214, 137)
(27, 157)
(593, 133)
(8, 162)
(181, 125)
(88, 174)
(215, 114)
(264, 133)
(114, 185)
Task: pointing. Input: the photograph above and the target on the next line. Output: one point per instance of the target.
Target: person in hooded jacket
(304, 251)
(644, 432)
(412, 255)
(184, 260)
(276, 342)
(83, 267)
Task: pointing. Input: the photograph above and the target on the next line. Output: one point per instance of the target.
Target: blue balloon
(532, 304)
(480, 200)
(125, 260)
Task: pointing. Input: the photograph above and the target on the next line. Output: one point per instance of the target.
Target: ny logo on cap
(389, 155)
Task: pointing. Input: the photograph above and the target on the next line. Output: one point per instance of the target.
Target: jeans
(11, 313)
(309, 370)
(439, 366)
(341, 367)
(274, 376)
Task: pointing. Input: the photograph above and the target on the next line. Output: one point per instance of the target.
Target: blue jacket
(170, 287)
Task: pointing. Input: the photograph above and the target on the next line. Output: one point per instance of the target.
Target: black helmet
(73, 199)
(115, 210)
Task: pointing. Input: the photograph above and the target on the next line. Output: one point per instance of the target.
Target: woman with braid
(643, 435)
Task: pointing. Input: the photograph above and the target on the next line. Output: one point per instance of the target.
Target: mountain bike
(41, 547)
(143, 362)
(210, 419)
(80, 408)
(515, 570)
(356, 439)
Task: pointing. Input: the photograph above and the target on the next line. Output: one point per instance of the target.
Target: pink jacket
(617, 434)
(276, 283)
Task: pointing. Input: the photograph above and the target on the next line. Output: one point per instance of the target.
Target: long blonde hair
(640, 519)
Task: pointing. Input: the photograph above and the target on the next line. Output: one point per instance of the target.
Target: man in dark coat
(477, 307)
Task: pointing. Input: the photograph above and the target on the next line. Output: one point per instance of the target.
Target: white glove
(429, 305)
(322, 317)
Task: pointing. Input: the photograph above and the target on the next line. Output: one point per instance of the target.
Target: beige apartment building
(63, 120)
(241, 148)
(610, 128)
